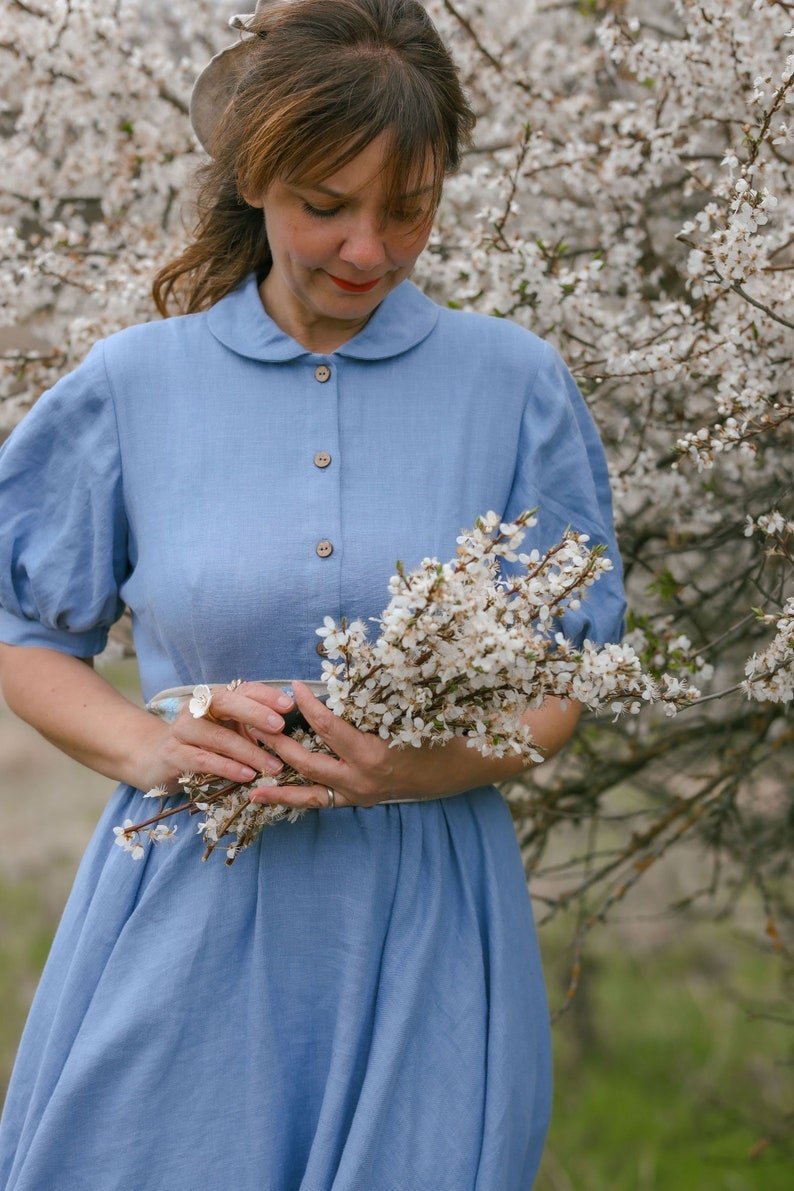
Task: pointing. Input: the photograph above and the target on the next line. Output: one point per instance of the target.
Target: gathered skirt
(356, 1004)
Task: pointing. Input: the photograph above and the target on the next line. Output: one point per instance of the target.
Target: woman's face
(337, 249)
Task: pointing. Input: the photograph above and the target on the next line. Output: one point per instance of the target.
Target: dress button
(322, 373)
(322, 459)
(320, 648)
(324, 548)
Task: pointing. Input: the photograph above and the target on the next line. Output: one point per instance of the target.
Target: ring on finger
(331, 798)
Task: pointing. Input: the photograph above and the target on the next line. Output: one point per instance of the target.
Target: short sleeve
(63, 545)
(562, 471)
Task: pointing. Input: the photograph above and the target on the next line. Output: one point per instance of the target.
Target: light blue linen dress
(356, 1004)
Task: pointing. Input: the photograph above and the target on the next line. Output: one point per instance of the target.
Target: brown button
(322, 373)
(320, 648)
(322, 459)
(324, 548)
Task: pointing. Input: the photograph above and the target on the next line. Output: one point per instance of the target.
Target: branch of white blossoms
(463, 649)
(770, 674)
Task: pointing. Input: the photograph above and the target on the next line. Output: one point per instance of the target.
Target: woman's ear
(248, 196)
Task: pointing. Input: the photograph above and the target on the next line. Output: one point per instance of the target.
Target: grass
(27, 924)
(666, 1079)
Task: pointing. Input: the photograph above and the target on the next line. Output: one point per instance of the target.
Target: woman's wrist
(436, 771)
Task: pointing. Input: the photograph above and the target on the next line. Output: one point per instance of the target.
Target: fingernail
(286, 698)
(275, 723)
(248, 774)
(273, 765)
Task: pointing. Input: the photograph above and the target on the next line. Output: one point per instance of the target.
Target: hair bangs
(326, 126)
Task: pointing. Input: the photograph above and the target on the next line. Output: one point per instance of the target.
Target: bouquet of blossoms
(463, 648)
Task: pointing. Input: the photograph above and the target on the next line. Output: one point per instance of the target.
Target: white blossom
(157, 792)
(200, 701)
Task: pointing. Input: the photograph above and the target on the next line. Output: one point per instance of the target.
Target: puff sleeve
(562, 471)
(63, 541)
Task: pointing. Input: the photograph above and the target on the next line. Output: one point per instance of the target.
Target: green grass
(27, 924)
(665, 1079)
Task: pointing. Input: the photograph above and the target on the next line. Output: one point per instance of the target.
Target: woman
(357, 1003)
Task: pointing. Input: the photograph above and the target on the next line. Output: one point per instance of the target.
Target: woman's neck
(317, 334)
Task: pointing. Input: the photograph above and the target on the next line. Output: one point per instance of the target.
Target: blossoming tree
(630, 196)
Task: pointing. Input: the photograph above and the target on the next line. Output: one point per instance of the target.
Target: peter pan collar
(404, 318)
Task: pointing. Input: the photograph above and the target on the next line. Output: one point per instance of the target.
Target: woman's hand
(226, 740)
(365, 771)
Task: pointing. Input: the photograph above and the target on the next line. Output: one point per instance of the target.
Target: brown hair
(322, 80)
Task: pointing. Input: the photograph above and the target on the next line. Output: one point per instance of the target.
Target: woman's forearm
(76, 709)
(456, 767)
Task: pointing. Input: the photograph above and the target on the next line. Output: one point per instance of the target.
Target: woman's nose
(364, 246)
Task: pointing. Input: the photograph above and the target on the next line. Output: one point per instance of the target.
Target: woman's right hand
(226, 741)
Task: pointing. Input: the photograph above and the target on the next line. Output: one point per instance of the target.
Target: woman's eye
(320, 212)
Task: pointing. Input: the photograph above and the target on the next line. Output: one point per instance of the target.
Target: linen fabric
(356, 1004)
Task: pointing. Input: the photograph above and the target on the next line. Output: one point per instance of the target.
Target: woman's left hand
(364, 770)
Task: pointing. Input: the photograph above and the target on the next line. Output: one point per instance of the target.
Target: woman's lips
(351, 287)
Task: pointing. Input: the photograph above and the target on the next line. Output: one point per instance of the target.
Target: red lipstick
(351, 287)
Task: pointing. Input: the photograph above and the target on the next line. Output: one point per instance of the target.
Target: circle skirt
(356, 1004)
